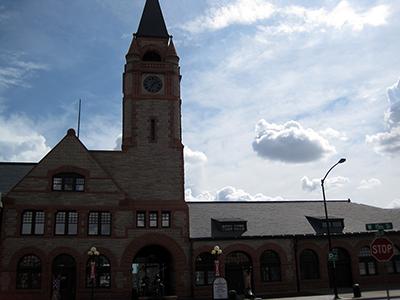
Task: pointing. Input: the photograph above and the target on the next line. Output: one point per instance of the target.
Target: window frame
(206, 269)
(66, 223)
(150, 220)
(367, 263)
(99, 223)
(33, 222)
(75, 177)
(30, 271)
(314, 263)
(165, 213)
(141, 213)
(100, 270)
(269, 266)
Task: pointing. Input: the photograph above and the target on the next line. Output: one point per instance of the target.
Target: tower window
(151, 56)
(153, 130)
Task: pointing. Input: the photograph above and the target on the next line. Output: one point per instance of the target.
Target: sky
(274, 93)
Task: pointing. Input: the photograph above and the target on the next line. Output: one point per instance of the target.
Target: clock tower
(152, 106)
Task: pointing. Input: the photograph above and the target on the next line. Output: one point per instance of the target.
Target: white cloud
(195, 163)
(19, 142)
(394, 203)
(290, 142)
(194, 157)
(228, 193)
(332, 133)
(290, 19)
(340, 17)
(388, 143)
(392, 116)
(238, 12)
(369, 183)
(311, 185)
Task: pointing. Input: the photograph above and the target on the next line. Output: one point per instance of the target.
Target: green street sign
(379, 226)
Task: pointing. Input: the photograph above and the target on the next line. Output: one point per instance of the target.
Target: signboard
(382, 249)
(379, 226)
(220, 289)
(332, 256)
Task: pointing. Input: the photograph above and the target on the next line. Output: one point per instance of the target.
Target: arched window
(394, 266)
(366, 263)
(102, 272)
(68, 182)
(309, 265)
(29, 270)
(204, 270)
(151, 56)
(270, 266)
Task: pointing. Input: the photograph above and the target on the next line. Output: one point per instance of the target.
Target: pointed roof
(152, 22)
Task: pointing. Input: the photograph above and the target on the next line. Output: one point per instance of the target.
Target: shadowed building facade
(130, 205)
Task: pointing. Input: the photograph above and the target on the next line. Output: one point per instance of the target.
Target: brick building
(130, 205)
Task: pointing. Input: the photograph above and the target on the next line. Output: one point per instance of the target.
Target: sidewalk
(381, 294)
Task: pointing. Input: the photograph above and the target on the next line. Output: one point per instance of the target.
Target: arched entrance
(237, 265)
(152, 272)
(343, 274)
(64, 277)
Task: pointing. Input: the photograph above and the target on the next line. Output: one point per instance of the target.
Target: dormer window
(151, 56)
(228, 227)
(69, 182)
(320, 224)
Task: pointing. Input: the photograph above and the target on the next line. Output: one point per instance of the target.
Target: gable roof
(279, 218)
(68, 154)
(152, 22)
(11, 173)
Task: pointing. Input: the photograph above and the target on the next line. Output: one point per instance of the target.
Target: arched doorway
(343, 274)
(237, 264)
(152, 272)
(64, 276)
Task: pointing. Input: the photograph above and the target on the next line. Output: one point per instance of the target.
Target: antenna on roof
(79, 118)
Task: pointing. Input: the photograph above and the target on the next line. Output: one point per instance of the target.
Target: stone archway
(237, 264)
(343, 274)
(64, 277)
(153, 272)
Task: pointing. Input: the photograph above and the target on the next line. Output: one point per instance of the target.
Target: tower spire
(152, 22)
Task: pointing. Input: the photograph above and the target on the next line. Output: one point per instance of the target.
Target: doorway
(343, 274)
(64, 277)
(237, 267)
(152, 272)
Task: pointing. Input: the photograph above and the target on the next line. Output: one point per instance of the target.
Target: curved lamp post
(216, 252)
(328, 225)
(93, 254)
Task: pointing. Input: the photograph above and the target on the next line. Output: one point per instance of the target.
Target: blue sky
(274, 92)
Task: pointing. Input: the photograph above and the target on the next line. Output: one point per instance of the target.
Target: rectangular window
(153, 219)
(33, 222)
(141, 219)
(105, 225)
(152, 130)
(66, 223)
(99, 223)
(57, 183)
(165, 219)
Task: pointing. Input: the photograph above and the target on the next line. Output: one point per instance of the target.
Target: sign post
(382, 250)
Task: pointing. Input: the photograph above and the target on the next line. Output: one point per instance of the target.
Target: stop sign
(382, 249)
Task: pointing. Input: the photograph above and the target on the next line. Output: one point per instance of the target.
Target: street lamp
(216, 252)
(93, 254)
(328, 225)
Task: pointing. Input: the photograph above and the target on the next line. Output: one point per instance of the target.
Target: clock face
(152, 84)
